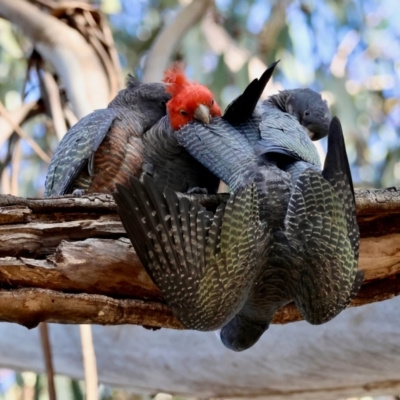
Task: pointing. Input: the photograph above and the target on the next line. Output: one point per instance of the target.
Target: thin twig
(16, 163)
(36, 148)
(53, 101)
(5, 182)
(11, 143)
(26, 111)
(47, 3)
(46, 345)
(70, 116)
(89, 362)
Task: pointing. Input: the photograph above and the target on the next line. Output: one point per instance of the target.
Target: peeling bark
(74, 252)
(29, 307)
(73, 58)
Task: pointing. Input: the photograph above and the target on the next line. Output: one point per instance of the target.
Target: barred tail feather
(316, 220)
(337, 172)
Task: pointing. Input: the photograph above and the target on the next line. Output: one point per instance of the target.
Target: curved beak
(202, 114)
(318, 131)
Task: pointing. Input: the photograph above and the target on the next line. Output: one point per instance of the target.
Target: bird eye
(183, 112)
(212, 102)
(306, 113)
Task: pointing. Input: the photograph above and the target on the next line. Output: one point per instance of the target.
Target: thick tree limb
(378, 201)
(35, 305)
(73, 58)
(169, 38)
(74, 251)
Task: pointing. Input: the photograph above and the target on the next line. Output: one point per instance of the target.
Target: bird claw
(79, 192)
(148, 169)
(197, 190)
(151, 328)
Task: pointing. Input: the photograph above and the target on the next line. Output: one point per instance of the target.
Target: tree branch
(29, 307)
(18, 117)
(68, 260)
(169, 38)
(73, 58)
(377, 201)
(53, 102)
(36, 148)
(48, 359)
(89, 362)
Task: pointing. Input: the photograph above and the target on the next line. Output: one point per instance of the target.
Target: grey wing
(250, 128)
(76, 149)
(266, 297)
(273, 288)
(322, 229)
(221, 149)
(162, 234)
(236, 248)
(296, 168)
(282, 133)
(337, 172)
(228, 154)
(203, 265)
(170, 164)
(316, 228)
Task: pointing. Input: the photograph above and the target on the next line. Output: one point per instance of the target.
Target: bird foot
(151, 328)
(79, 192)
(147, 169)
(197, 190)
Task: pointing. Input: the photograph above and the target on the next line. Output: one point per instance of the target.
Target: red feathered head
(190, 100)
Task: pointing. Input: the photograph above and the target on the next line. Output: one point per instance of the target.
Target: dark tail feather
(328, 277)
(337, 173)
(159, 212)
(242, 333)
(169, 236)
(336, 161)
(243, 107)
(145, 215)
